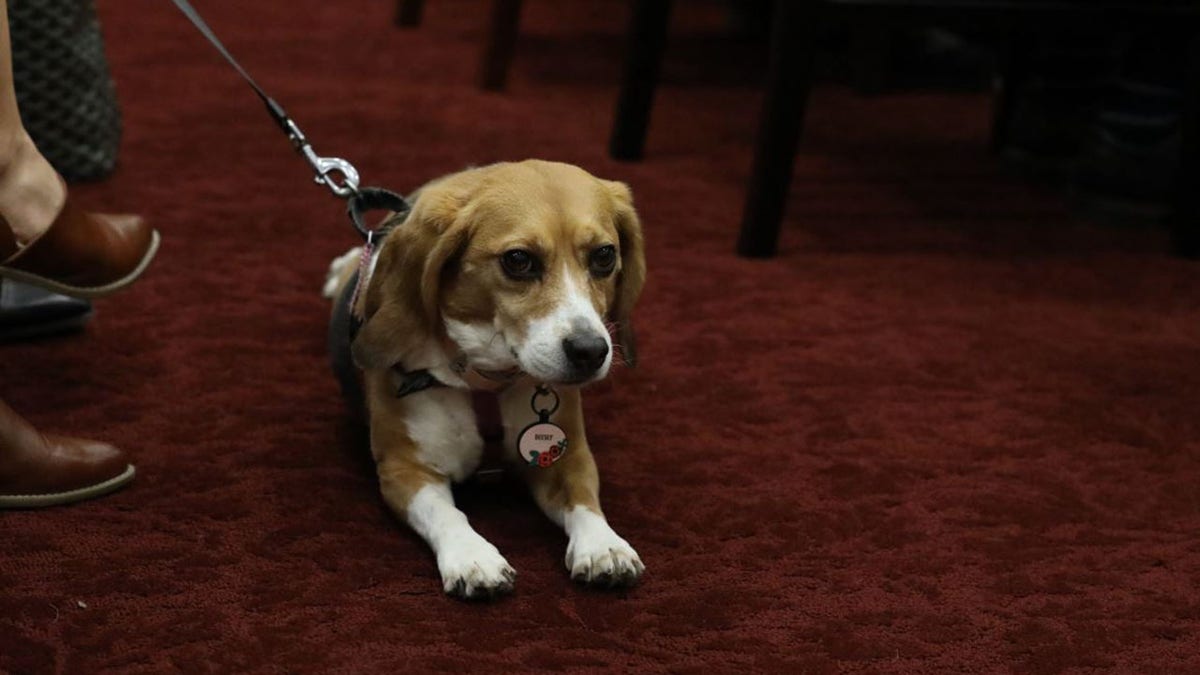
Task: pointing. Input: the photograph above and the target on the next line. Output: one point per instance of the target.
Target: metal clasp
(543, 413)
(327, 169)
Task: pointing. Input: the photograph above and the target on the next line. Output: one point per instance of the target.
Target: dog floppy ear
(633, 267)
(400, 310)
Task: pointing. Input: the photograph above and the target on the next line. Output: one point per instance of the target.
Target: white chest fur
(441, 422)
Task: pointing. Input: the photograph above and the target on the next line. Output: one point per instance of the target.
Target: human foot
(70, 251)
(31, 194)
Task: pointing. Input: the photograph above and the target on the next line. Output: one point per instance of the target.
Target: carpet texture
(949, 428)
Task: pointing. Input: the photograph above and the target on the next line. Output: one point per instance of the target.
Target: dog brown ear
(633, 268)
(401, 314)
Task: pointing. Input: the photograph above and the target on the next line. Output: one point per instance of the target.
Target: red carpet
(949, 428)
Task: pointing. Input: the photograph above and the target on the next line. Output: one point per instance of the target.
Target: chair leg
(789, 77)
(1014, 66)
(408, 12)
(647, 38)
(501, 43)
(871, 56)
(1185, 217)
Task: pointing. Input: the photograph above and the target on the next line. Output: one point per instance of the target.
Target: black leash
(334, 173)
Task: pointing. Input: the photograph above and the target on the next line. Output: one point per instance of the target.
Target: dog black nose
(586, 352)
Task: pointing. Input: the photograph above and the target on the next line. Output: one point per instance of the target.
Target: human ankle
(31, 193)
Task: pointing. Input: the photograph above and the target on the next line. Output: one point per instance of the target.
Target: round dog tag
(543, 442)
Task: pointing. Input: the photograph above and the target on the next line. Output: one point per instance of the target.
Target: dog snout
(585, 351)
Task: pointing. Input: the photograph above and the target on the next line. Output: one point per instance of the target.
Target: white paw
(472, 568)
(599, 557)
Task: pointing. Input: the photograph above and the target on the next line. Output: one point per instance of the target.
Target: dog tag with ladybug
(543, 442)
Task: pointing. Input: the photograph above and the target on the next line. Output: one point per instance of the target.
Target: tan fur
(401, 474)
(469, 219)
(442, 263)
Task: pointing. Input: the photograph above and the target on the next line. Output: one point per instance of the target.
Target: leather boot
(82, 254)
(38, 470)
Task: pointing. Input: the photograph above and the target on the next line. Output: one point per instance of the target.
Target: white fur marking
(441, 422)
(484, 344)
(596, 553)
(542, 354)
(336, 267)
(469, 564)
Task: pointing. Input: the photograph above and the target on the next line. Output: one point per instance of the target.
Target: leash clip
(327, 166)
(327, 169)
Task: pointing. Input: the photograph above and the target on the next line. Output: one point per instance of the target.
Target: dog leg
(568, 492)
(470, 566)
(419, 446)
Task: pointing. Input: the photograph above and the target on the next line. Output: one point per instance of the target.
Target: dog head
(516, 266)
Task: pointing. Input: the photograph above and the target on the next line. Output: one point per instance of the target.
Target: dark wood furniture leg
(789, 78)
(1185, 219)
(408, 12)
(643, 57)
(871, 55)
(501, 43)
(1014, 66)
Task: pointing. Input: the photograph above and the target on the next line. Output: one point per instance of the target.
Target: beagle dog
(507, 279)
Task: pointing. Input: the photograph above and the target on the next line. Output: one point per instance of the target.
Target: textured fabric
(950, 428)
(68, 103)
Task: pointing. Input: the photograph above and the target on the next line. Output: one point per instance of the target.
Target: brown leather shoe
(39, 470)
(87, 255)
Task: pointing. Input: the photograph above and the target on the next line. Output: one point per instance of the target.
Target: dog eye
(520, 264)
(603, 260)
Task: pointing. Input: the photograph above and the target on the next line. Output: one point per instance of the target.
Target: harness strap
(487, 416)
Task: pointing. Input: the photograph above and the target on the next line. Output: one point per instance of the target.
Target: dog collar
(483, 380)
(406, 382)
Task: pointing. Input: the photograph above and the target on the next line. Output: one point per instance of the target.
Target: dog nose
(586, 352)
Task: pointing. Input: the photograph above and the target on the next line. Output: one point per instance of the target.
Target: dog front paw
(474, 570)
(603, 559)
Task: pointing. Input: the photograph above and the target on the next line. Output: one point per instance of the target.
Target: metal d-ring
(375, 199)
(542, 390)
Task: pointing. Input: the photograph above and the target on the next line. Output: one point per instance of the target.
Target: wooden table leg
(647, 38)
(1185, 218)
(408, 12)
(501, 43)
(1014, 62)
(789, 78)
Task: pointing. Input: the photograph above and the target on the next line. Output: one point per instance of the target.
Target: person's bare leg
(31, 194)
